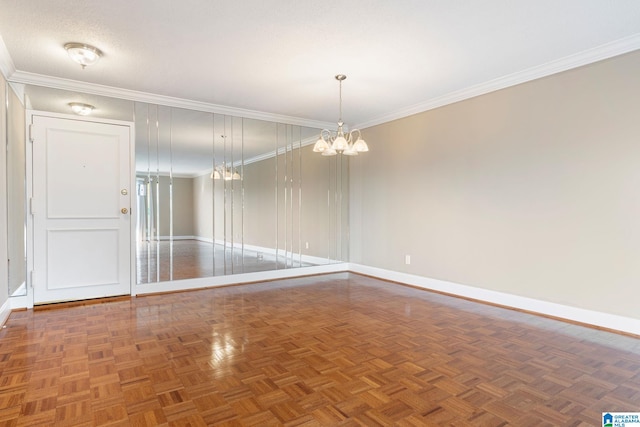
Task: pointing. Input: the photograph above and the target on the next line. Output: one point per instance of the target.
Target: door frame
(28, 300)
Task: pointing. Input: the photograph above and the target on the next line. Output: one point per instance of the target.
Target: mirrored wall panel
(16, 193)
(220, 195)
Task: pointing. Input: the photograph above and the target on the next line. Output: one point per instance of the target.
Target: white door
(81, 209)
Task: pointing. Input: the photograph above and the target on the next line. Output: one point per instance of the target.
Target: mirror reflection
(16, 192)
(217, 194)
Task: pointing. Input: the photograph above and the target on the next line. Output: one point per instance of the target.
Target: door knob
(124, 210)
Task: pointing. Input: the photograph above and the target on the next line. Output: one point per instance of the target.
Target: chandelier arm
(352, 138)
(325, 134)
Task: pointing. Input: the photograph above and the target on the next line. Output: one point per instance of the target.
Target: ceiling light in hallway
(81, 109)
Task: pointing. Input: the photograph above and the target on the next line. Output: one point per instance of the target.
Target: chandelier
(331, 143)
(227, 174)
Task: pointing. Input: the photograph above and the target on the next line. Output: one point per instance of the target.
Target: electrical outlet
(306, 245)
(407, 259)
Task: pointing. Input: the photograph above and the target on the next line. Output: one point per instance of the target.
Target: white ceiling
(280, 56)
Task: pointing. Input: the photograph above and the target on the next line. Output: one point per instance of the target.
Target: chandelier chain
(340, 119)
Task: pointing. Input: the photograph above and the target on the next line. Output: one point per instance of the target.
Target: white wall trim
(5, 311)
(168, 101)
(238, 279)
(6, 63)
(272, 252)
(605, 51)
(281, 150)
(163, 238)
(19, 302)
(206, 282)
(589, 317)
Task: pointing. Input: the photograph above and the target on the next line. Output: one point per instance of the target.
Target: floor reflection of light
(223, 351)
(407, 310)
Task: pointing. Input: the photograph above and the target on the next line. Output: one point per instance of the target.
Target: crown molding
(168, 101)
(268, 155)
(608, 50)
(605, 51)
(280, 151)
(6, 63)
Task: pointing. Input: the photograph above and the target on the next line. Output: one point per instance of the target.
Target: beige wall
(532, 190)
(308, 207)
(309, 213)
(4, 294)
(16, 176)
(260, 223)
(204, 208)
(183, 216)
(183, 207)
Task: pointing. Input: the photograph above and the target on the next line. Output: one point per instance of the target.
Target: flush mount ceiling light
(83, 54)
(81, 109)
(330, 144)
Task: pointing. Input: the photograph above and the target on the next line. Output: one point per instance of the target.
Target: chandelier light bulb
(329, 152)
(320, 146)
(361, 146)
(350, 151)
(340, 144)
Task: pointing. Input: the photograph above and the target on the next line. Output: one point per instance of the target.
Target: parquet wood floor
(188, 259)
(339, 349)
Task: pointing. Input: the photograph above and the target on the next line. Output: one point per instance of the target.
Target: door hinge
(33, 278)
(32, 132)
(32, 205)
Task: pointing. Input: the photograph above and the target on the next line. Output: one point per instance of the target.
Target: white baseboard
(589, 317)
(309, 259)
(19, 302)
(203, 239)
(238, 279)
(20, 290)
(165, 238)
(5, 311)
